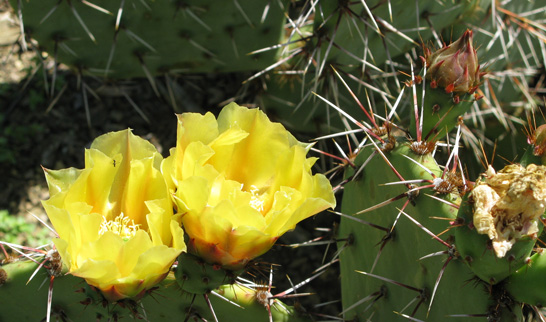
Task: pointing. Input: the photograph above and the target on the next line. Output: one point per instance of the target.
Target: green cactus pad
(401, 260)
(159, 36)
(445, 112)
(197, 277)
(476, 250)
(528, 283)
(391, 31)
(22, 301)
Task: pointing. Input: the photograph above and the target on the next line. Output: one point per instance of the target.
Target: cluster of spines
(490, 95)
(68, 296)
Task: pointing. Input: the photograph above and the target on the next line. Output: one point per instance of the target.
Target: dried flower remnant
(507, 204)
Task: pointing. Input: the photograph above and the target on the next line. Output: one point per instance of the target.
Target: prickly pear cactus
(362, 40)
(122, 39)
(73, 298)
(418, 239)
(120, 246)
(379, 30)
(415, 235)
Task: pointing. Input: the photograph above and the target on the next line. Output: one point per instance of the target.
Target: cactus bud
(538, 139)
(455, 67)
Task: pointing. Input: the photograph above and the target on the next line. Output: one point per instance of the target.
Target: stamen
(122, 226)
(255, 201)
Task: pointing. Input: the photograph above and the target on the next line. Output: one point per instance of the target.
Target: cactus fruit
(454, 68)
(121, 39)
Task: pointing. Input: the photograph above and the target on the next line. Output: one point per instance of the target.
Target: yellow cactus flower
(115, 217)
(240, 182)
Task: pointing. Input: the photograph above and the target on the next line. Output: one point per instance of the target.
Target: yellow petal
(241, 186)
(130, 252)
(223, 147)
(177, 235)
(60, 218)
(260, 150)
(115, 215)
(98, 181)
(62, 245)
(168, 170)
(127, 144)
(144, 182)
(159, 222)
(217, 227)
(106, 251)
(194, 158)
(192, 194)
(89, 226)
(194, 127)
(154, 260)
(60, 180)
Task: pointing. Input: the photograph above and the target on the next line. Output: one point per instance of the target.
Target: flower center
(122, 226)
(255, 201)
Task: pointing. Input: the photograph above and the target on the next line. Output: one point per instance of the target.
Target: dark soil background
(39, 129)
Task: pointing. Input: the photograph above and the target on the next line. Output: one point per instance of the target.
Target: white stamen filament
(122, 226)
(255, 201)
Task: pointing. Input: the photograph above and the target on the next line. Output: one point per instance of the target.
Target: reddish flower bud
(539, 140)
(455, 67)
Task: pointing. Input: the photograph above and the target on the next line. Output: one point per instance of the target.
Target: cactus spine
(73, 298)
(408, 258)
(121, 39)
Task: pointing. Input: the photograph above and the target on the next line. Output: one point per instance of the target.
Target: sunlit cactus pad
(386, 29)
(74, 300)
(131, 38)
(392, 267)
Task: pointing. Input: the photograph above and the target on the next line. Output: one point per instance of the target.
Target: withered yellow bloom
(509, 203)
(240, 182)
(115, 217)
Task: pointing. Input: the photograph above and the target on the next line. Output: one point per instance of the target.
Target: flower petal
(115, 217)
(242, 185)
